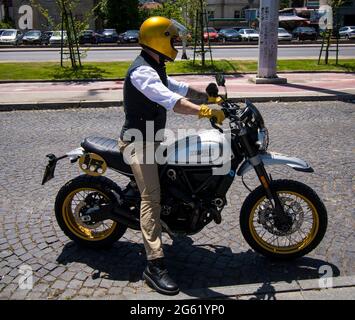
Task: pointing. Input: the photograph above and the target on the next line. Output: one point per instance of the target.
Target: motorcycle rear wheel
(74, 198)
(305, 210)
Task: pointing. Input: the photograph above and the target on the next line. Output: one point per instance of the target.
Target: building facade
(345, 14)
(230, 8)
(26, 15)
(227, 13)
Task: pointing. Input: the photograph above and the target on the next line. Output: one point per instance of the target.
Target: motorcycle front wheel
(306, 217)
(72, 202)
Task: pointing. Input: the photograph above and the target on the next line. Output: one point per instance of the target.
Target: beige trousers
(147, 178)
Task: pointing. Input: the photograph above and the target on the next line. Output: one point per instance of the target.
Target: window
(8, 33)
(347, 3)
(237, 14)
(297, 3)
(210, 14)
(313, 4)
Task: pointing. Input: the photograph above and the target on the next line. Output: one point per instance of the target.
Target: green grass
(110, 70)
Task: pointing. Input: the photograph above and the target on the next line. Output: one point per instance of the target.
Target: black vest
(138, 108)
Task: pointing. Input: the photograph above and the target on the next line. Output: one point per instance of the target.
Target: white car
(249, 34)
(56, 37)
(283, 35)
(347, 32)
(10, 36)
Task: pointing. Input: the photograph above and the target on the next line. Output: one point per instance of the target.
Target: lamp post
(268, 41)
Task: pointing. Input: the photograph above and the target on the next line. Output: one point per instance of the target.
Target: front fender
(271, 158)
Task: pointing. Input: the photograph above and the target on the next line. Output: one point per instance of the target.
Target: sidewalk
(340, 288)
(57, 95)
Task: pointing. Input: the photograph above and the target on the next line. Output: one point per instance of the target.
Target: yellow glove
(214, 100)
(206, 112)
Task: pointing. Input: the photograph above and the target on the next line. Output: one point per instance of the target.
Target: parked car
(128, 36)
(229, 35)
(238, 28)
(347, 32)
(88, 36)
(32, 37)
(305, 33)
(284, 35)
(108, 36)
(46, 35)
(11, 36)
(210, 33)
(249, 34)
(56, 38)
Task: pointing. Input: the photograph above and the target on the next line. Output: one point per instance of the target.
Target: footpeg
(217, 216)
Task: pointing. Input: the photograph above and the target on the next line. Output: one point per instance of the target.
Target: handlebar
(213, 121)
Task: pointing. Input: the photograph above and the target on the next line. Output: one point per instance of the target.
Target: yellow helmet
(158, 34)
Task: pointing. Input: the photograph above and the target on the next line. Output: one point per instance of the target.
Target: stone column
(268, 41)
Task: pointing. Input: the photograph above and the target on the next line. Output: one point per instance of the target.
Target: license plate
(50, 168)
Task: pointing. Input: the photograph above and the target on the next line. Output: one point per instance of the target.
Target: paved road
(285, 52)
(320, 132)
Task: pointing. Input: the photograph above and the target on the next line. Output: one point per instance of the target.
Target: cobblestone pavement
(320, 132)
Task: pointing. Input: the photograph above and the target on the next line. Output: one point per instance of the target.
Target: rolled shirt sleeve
(178, 87)
(146, 80)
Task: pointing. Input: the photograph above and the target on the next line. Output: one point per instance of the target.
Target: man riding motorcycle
(148, 94)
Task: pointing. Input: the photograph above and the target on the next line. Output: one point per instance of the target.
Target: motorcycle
(282, 219)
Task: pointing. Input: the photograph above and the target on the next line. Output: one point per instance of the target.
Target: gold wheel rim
(300, 245)
(79, 230)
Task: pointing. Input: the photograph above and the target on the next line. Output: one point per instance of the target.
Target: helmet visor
(180, 27)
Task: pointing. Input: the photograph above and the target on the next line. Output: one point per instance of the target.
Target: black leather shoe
(156, 275)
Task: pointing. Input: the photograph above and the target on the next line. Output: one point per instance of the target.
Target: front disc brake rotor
(293, 220)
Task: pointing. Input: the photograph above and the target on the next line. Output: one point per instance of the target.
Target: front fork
(281, 219)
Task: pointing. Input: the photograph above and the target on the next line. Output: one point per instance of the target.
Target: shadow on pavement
(196, 266)
(317, 89)
(86, 72)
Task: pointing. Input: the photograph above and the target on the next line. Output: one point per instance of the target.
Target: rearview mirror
(220, 79)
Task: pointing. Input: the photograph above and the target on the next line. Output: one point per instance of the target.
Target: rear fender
(73, 156)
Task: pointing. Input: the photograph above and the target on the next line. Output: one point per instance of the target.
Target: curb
(245, 45)
(58, 105)
(116, 103)
(296, 289)
(172, 75)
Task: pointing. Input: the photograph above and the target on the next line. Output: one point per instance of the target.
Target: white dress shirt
(146, 80)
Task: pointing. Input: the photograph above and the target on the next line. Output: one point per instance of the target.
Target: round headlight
(263, 139)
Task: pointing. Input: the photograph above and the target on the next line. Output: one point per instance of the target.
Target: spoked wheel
(73, 203)
(298, 234)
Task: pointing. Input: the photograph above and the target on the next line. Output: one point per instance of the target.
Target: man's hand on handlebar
(213, 96)
(214, 100)
(206, 112)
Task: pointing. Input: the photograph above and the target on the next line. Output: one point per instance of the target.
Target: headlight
(263, 139)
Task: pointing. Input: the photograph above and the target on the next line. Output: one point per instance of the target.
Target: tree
(120, 14)
(284, 4)
(72, 26)
(335, 5)
(7, 21)
(183, 11)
